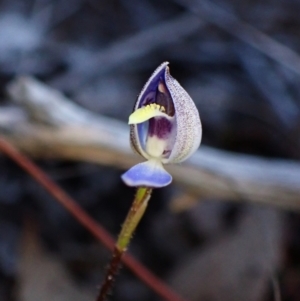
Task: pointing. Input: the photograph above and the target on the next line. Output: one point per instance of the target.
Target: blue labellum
(147, 174)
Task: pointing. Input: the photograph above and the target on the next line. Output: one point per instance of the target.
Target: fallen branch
(58, 128)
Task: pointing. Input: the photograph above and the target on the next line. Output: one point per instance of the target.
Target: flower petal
(147, 174)
(180, 127)
(189, 130)
(147, 96)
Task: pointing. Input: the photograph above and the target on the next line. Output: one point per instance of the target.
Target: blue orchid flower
(165, 128)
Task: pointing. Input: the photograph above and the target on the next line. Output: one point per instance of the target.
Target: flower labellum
(165, 128)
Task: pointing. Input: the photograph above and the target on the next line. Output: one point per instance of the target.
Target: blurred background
(239, 62)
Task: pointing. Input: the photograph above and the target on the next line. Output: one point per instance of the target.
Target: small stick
(133, 218)
(85, 220)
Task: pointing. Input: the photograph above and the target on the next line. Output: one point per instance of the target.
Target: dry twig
(58, 128)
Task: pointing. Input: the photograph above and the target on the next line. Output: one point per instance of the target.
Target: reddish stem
(110, 276)
(86, 221)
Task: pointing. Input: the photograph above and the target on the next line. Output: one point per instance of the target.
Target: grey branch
(47, 124)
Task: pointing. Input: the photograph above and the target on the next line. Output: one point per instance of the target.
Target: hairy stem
(134, 216)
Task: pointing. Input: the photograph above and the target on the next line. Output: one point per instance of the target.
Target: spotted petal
(189, 130)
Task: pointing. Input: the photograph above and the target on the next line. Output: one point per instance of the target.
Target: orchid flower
(165, 128)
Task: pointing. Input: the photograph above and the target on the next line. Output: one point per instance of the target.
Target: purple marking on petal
(149, 94)
(155, 91)
(147, 174)
(153, 95)
(149, 97)
(160, 127)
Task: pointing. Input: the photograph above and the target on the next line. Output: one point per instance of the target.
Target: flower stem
(134, 216)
